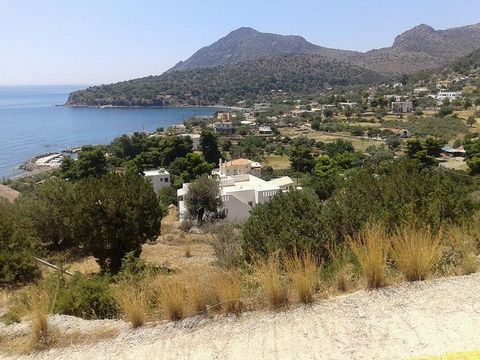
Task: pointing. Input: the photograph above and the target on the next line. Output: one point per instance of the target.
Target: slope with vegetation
(295, 74)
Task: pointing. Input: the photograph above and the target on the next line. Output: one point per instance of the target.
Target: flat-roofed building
(160, 178)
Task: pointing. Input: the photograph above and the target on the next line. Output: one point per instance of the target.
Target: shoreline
(233, 108)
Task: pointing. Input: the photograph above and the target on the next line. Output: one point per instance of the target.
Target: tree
(91, 163)
(190, 167)
(203, 198)
(445, 110)
(393, 142)
(115, 215)
(348, 111)
(289, 222)
(471, 121)
(474, 164)
(327, 112)
(339, 146)
(325, 166)
(49, 209)
(17, 248)
(209, 146)
(300, 158)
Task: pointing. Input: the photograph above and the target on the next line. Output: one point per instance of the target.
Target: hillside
(246, 44)
(297, 74)
(419, 48)
(247, 63)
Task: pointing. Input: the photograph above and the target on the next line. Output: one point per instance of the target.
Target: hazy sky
(102, 41)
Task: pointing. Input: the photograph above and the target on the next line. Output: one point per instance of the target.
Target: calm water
(31, 125)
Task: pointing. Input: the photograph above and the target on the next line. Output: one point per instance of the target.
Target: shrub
(17, 248)
(370, 247)
(89, 298)
(289, 222)
(415, 252)
(404, 193)
(227, 243)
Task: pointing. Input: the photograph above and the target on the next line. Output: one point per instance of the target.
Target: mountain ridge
(418, 48)
(247, 63)
(246, 44)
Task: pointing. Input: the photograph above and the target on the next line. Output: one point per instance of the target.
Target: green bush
(405, 193)
(289, 222)
(88, 298)
(17, 248)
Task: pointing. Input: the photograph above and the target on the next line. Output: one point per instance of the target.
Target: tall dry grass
(228, 289)
(341, 268)
(133, 304)
(201, 293)
(370, 246)
(460, 250)
(40, 306)
(268, 274)
(172, 296)
(415, 252)
(303, 273)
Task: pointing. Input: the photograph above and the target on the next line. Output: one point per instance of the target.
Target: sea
(32, 123)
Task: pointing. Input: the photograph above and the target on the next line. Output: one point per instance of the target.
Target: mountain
(246, 44)
(247, 63)
(420, 48)
(299, 74)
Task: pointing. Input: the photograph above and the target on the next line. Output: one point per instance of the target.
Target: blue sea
(31, 124)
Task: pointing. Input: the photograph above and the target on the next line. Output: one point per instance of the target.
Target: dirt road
(400, 322)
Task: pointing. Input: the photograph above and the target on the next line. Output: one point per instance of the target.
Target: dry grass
(370, 247)
(172, 255)
(415, 252)
(303, 274)
(228, 287)
(200, 292)
(461, 245)
(187, 248)
(277, 162)
(342, 268)
(86, 266)
(133, 304)
(268, 274)
(40, 306)
(172, 298)
(21, 345)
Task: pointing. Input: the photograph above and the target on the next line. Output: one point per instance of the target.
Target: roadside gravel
(399, 322)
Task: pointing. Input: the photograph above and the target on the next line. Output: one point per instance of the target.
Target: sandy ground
(8, 193)
(400, 322)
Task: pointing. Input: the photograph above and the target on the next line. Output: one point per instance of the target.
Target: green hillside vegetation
(296, 74)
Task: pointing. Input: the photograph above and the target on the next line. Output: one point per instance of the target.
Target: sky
(104, 41)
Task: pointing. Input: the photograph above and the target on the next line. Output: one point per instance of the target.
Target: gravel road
(399, 322)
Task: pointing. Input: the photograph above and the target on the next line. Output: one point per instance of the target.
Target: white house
(160, 178)
(402, 106)
(240, 190)
(265, 130)
(450, 95)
